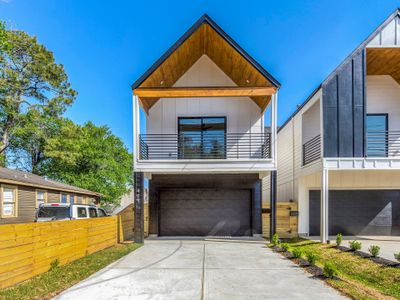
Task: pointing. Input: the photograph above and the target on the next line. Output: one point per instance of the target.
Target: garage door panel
(201, 212)
(358, 212)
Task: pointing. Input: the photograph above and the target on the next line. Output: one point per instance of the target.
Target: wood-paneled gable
(206, 38)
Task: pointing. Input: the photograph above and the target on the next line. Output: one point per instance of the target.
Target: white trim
(362, 163)
(136, 130)
(274, 133)
(324, 227)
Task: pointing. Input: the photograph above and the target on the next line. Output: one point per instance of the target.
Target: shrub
(312, 257)
(285, 246)
(297, 252)
(355, 245)
(374, 250)
(339, 239)
(330, 270)
(397, 256)
(275, 239)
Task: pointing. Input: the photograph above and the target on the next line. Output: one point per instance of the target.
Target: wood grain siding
(26, 206)
(160, 182)
(53, 196)
(344, 110)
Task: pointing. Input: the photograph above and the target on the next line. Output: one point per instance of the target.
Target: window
(41, 198)
(102, 213)
(9, 202)
(377, 135)
(202, 137)
(92, 212)
(71, 199)
(80, 199)
(81, 212)
(64, 198)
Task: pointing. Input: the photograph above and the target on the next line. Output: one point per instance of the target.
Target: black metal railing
(383, 143)
(312, 150)
(205, 145)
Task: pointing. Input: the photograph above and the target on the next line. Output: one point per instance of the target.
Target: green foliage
(397, 256)
(330, 270)
(355, 245)
(339, 239)
(33, 88)
(297, 252)
(311, 257)
(89, 157)
(275, 239)
(374, 250)
(285, 246)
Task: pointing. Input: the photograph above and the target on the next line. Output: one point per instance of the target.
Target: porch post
(324, 234)
(274, 117)
(139, 207)
(272, 215)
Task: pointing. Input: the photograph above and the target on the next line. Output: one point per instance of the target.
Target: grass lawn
(59, 278)
(360, 277)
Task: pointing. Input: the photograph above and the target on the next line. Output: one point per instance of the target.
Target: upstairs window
(64, 198)
(202, 137)
(377, 135)
(9, 202)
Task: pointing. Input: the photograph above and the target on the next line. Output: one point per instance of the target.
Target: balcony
(312, 150)
(383, 143)
(205, 146)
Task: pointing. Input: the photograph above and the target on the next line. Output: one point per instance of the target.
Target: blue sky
(106, 45)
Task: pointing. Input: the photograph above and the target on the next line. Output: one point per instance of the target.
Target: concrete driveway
(179, 269)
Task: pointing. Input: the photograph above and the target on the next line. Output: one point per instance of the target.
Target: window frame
(386, 115)
(67, 199)
(45, 196)
(15, 202)
(201, 130)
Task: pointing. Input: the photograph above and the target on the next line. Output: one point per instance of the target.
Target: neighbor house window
(202, 137)
(64, 198)
(9, 201)
(80, 199)
(71, 199)
(377, 135)
(41, 198)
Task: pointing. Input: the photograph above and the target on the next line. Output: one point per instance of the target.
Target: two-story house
(344, 140)
(204, 149)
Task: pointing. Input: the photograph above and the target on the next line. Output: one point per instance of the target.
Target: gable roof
(25, 178)
(205, 37)
(359, 48)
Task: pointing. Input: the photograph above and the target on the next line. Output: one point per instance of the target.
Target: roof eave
(205, 19)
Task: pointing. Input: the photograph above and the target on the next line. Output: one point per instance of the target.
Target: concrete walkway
(182, 269)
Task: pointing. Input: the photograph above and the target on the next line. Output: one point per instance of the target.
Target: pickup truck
(65, 211)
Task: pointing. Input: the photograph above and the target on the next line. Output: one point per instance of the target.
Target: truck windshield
(54, 212)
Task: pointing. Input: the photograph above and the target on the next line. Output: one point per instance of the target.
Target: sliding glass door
(202, 137)
(377, 135)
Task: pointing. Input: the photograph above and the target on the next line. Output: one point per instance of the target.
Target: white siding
(388, 36)
(383, 96)
(290, 143)
(243, 115)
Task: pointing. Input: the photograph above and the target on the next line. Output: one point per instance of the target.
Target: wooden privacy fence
(126, 222)
(28, 249)
(286, 220)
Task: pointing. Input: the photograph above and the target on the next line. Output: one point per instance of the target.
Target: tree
(90, 157)
(32, 85)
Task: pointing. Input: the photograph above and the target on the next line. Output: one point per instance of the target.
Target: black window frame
(180, 154)
(386, 115)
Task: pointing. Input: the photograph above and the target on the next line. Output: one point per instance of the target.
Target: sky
(106, 45)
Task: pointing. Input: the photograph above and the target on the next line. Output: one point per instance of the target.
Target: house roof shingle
(29, 179)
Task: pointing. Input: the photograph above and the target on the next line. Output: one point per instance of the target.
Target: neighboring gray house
(22, 192)
(345, 140)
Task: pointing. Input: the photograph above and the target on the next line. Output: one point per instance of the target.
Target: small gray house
(22, 192)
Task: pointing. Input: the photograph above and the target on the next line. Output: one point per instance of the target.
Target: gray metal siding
(343, 110)
(358, 212)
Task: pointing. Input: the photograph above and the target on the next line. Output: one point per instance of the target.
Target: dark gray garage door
(202, 212)
(358, 212)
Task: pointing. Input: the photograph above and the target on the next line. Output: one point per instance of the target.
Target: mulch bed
(379, 260)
